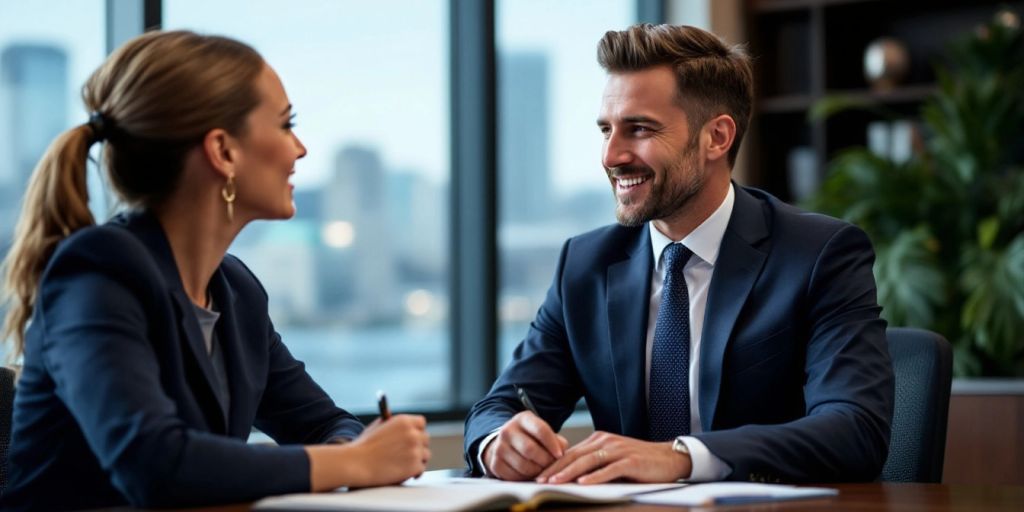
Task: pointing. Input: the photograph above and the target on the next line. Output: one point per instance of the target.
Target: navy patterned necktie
(669, 392)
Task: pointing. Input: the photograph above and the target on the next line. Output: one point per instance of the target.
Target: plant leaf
(987, 231)
(993, 313)
(911, 285)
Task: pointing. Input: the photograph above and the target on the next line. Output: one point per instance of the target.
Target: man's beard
(679, 183)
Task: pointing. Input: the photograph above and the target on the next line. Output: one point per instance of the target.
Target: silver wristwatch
(679, 446)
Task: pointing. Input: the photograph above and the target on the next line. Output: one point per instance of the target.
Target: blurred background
(452, 150)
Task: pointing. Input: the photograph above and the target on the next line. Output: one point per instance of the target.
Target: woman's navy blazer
(116, 402)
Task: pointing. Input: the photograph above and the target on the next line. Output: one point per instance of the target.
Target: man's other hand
(605, 457)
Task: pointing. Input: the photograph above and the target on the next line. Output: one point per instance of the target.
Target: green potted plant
(948, 223)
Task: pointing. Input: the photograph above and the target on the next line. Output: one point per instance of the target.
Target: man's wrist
(704, 465)
(683, 451)
(482, 450)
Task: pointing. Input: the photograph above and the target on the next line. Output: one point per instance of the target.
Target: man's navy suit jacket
(117, 399)
(796, 383)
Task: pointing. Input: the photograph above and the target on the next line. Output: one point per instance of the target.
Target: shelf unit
(805, 50)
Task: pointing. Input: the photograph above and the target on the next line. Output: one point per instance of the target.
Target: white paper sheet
(732, 493)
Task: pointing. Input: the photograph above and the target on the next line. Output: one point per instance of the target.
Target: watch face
(679, 446)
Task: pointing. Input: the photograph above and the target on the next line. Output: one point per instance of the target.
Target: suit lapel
(629, 289)
(739, 264)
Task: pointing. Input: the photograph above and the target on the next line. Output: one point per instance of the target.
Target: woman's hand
(395, 450)
(387, 452)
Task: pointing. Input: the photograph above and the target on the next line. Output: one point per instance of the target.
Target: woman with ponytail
(147, 353)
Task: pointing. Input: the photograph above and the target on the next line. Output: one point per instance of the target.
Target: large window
(410, 137)
(358, 281)
(551, 184)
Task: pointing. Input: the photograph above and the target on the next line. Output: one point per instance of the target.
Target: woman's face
(269, 151)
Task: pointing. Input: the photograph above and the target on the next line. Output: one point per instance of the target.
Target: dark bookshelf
(805, 50)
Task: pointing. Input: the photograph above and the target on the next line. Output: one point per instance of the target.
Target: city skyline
(349, 285)
(412, 124)
(360, 174)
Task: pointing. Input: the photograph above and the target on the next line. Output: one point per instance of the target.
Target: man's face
(652, 161)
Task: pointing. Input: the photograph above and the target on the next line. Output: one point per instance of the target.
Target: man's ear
(221, 150)
(721, 131)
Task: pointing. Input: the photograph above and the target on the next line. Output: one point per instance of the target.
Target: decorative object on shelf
(948, 223)
(802, 172)
(893, 140)
(886, 62)
(1008, 19)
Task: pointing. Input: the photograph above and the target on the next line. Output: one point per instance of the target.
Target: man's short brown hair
(712, 77)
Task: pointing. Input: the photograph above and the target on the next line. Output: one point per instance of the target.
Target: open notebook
(459, 494)
(485, 494)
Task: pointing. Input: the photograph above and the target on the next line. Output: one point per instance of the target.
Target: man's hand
(604, 457)
(524, 446)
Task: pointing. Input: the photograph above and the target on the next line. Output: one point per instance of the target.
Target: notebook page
(732, 493)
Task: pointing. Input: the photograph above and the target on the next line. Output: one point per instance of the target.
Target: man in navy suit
(715, 332)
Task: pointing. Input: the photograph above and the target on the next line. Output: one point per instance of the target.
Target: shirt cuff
(483, 447)
(706, 467)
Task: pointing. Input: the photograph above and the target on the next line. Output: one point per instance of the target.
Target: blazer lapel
(197, 346)
(147, 228)
(239, 375)
(629, 286)
(738, 266)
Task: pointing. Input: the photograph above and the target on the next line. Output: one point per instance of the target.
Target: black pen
(525, 400)
(382, 404)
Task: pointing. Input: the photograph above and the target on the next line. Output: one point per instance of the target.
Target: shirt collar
(706, 240)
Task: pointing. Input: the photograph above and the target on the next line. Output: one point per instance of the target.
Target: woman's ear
(221, 151)
(721, 132)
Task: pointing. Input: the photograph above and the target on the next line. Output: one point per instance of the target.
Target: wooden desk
(852, 498)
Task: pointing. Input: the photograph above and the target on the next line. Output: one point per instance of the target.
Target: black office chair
(7, 377)
(923, 364)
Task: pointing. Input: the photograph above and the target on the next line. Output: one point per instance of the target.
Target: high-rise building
(33, 111)
(354, 212)
(282, 254)
(525, 175)
(418, 214)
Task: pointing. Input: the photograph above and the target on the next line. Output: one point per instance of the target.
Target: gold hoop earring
(228, 193)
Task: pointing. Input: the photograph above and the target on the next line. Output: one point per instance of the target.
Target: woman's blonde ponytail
(56, 204)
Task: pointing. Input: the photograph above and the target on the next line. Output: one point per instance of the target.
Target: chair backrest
(923, 364)
(7, 377)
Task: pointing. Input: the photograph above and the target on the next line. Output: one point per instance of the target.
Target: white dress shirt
(704, 242)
